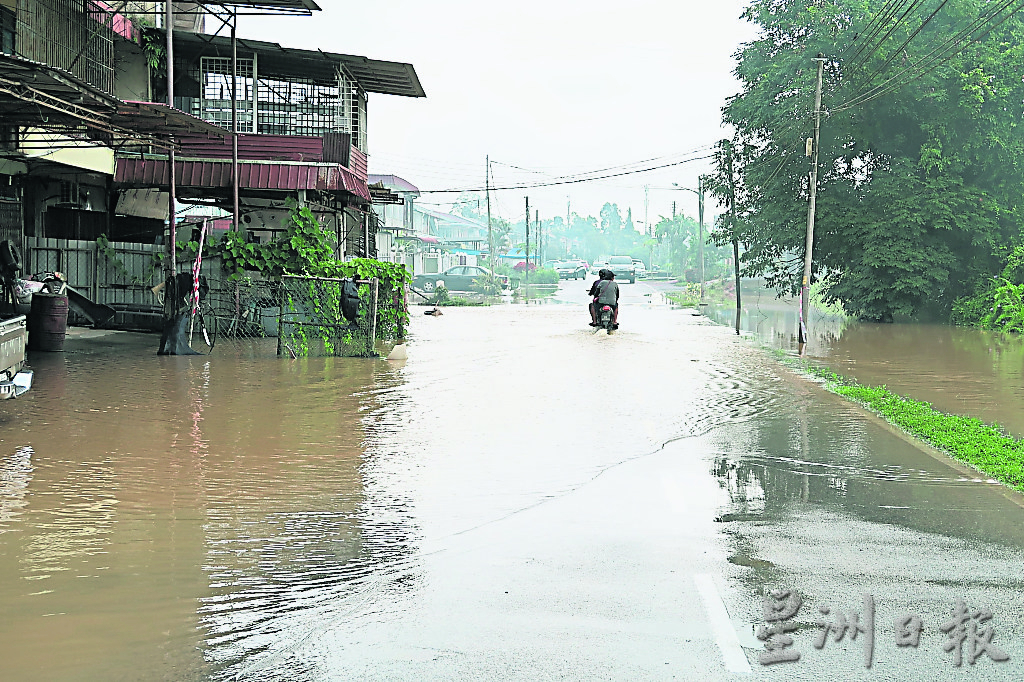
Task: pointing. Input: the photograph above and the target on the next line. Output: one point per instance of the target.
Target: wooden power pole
(732, 222)
(527, 276)
(805, 292)
(490, 230)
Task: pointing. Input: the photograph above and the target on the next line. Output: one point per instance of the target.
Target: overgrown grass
(688, 296)
(983, 446)
(683, 298)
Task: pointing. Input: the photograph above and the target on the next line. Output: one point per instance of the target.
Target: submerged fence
(324, 316)
(304, 316)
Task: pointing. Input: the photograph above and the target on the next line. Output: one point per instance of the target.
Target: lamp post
(700, 214)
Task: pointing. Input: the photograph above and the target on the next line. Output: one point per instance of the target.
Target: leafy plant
(307, 248)
(442, 297)
(1008, 307)
(490, 285)
(544, 276)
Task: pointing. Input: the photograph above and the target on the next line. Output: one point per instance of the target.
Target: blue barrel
(47, 322)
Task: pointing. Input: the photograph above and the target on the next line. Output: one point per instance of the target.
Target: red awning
(134, 172)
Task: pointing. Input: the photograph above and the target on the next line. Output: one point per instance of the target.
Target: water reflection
(962, 371)
(15, 476)
(172, 516)
(831, 456)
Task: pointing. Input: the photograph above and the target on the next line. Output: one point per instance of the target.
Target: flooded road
(520, 499)
(961, 371)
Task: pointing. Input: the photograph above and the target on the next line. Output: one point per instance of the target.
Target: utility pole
(700, 213)
(540, 237)
(805, 292)
(490, 230)
(568, 213)
(647, 189)
(527, 241)
(673, 210)
(732, 222)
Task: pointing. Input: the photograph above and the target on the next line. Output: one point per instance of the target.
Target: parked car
(570, 269)
(623, 267)
(458, 278)
(641, 269)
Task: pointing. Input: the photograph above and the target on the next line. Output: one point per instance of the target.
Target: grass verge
(982, 446)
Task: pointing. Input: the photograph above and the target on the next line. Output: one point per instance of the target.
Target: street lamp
(700, 211)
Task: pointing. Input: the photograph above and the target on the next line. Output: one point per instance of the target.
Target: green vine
(307, 248)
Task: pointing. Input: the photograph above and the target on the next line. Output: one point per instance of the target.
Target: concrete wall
(131, 73)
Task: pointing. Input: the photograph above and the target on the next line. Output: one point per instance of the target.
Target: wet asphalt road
(521, 499)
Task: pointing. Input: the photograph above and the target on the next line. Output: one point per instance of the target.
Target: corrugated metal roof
(155, 118)
(135, 172)
(393, 182)
(373, 75)
(302, 6)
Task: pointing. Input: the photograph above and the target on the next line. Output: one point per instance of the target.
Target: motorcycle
(605, 317)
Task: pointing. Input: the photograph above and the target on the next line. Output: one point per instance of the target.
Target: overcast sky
(552, 86)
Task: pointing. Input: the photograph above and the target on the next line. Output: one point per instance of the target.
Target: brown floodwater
(243, 516)
(962, 371)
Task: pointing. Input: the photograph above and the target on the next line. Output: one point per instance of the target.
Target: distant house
(426, 241)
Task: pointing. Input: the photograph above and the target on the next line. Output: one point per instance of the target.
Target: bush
(544, 276)
(522, 265)
(487, 284)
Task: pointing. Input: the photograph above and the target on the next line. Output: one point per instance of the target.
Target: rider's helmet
(604, 273)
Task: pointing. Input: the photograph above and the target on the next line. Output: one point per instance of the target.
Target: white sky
(553, 86)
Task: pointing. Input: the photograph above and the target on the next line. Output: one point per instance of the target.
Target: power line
(910, 6)
(570, 180)
(937, 57)
(901, 48)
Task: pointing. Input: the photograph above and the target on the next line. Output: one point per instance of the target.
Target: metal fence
(246, 313)
(314, 322)
(299, 315)
(120, 275)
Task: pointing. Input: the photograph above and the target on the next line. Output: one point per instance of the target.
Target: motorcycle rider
(605, 292)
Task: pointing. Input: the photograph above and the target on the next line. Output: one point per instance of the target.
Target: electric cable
(937, 57)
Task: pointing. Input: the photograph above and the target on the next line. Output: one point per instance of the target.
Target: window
(215, 105)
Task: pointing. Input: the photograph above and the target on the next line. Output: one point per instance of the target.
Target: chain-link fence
(245, 312)
(321, 316)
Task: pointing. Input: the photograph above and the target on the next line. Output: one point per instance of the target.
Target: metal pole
(170, 269)
(806, 286)
(234, 119)
(490, 230)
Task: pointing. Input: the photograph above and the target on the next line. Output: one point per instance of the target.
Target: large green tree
(921, 160)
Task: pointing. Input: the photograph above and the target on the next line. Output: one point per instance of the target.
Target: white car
(596, 267)
(641, 269)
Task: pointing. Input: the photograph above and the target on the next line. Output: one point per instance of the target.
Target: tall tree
(611, 218)
(921, 166)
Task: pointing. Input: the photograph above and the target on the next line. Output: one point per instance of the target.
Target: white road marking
(725, 636)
